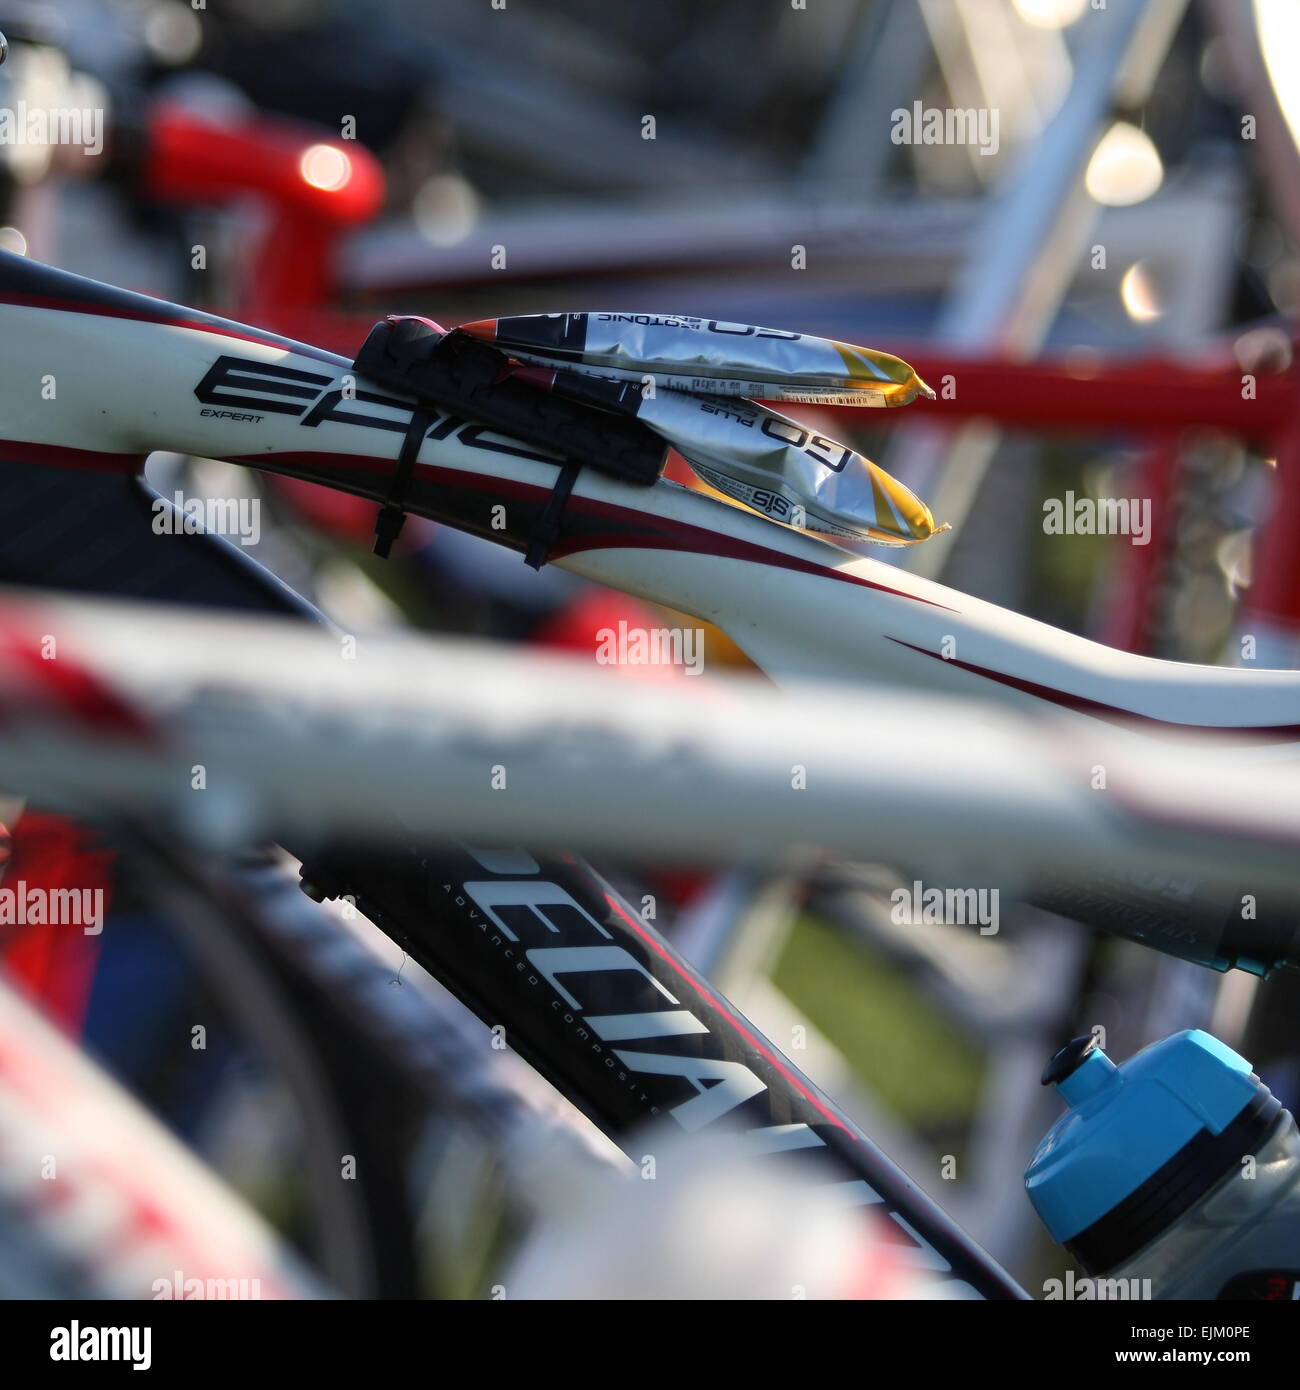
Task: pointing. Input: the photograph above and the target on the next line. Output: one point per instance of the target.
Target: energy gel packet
(764, 460)
(707, 356)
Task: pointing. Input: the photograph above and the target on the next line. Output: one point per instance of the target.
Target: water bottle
(1176, 1175)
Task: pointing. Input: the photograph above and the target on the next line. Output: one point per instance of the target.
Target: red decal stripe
(62, 685)
(198, 323)
(60, 456)
(720, 1004)
(1111, 714)
(648, 532)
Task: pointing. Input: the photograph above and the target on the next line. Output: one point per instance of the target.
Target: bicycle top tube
(134, 374)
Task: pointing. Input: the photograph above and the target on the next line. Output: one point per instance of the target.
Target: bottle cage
(454, 371)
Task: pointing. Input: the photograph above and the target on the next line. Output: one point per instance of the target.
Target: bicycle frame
(319, 743)
(797, 604)
(134, 1203)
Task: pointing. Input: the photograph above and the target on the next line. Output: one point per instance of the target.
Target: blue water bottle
(1176, 1175)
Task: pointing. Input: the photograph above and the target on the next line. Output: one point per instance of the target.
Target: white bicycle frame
(301, 730)
(96, 378)
(136, 1207)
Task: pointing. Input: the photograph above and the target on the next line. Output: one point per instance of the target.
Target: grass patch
(902, 1048)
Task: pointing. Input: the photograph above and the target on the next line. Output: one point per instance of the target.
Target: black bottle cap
(1069, 1059)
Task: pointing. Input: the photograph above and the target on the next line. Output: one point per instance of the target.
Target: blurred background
(1097, 266)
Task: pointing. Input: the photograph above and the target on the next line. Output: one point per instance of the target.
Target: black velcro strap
(392, 516)
(547, 531)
